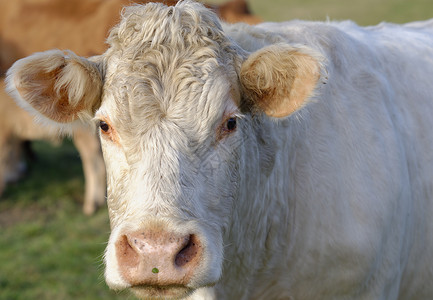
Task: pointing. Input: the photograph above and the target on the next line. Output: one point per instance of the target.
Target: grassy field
(50, 250)
(364, 12)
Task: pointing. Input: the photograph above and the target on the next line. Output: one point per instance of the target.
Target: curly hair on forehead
(168, 53)
(188, 24)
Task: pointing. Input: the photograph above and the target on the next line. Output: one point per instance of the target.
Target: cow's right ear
(56, 85)
(280, 79)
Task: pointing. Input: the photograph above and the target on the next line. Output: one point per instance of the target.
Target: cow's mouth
(164, 291)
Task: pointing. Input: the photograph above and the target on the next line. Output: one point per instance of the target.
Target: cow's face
(170, 127)
(182, 117)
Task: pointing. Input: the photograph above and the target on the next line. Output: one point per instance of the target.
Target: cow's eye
(107, 131)
(227, 127)
(104, 126)
(231, 124)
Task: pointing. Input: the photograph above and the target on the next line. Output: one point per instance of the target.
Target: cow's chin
(161, 292)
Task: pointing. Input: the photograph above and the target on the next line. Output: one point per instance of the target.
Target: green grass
(50, 250)
(364, 12)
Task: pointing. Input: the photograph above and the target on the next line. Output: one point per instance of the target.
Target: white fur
(332, 202)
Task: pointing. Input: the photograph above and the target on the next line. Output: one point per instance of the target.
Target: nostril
(188, 252)
(126, 252)
(138, 242)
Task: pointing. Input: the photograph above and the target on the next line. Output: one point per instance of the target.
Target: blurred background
(51, 237)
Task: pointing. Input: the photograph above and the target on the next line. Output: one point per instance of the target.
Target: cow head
(185, 119)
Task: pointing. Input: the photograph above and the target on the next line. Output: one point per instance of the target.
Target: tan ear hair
(57, 85)
(278, 79)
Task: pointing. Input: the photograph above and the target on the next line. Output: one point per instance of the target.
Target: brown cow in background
(17, 125)
(28, 26)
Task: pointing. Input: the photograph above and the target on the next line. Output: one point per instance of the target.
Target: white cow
(278, 161)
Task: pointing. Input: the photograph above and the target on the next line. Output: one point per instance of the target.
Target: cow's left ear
(279, 79)
(58, 87)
